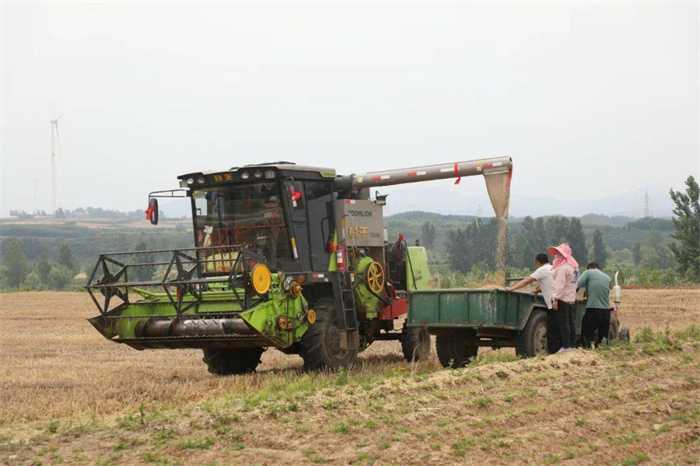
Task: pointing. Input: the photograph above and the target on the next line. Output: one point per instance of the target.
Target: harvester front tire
(320, 346)
(533, 339)
(415, 343)
(232, 361)
(456, 349)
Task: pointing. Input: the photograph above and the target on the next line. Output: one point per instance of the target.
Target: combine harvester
(285, 256)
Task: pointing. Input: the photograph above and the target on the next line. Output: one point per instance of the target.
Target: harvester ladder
(346, 301)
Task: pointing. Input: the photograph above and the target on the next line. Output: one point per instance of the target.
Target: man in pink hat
(565, 276)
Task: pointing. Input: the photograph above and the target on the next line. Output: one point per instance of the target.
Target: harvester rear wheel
(415, 343)
(320, 345)
(456, 349)
(232, 361)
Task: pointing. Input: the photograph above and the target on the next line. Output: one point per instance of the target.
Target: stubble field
(70, 397)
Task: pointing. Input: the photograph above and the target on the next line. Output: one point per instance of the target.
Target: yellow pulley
(374, 276)
(260, 278)
(311, 316)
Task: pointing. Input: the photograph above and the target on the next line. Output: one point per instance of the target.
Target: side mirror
(152, 211)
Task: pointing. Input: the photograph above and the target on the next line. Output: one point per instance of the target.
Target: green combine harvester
(284, 256)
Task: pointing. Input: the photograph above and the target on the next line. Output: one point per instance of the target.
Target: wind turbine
(55, 140)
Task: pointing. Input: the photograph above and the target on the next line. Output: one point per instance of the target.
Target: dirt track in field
(55, 370)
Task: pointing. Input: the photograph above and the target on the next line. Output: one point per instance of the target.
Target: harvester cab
(284, 256)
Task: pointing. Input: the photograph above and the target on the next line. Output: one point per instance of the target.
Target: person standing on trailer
(596, 320)
(565, 275)
(544, 278)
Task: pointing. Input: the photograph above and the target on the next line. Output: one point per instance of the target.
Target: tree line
(49, 262)
(53, 262)
(474, 245)
(16, 271)
(82, 212)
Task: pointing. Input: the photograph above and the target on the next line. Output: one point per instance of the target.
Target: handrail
(162, 251)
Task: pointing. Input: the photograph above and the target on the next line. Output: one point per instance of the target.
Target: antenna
(55, 140)
(647, 211)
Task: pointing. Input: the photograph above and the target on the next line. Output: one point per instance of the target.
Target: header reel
(184, 276)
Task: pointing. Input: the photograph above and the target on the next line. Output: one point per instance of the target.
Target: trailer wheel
(415, 343)
(533, 339)
(232, 361)
(617, 331)
(320, 345)
(455, 349)
(624, 334)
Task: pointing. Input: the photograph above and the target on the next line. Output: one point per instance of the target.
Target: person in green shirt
(596, 320)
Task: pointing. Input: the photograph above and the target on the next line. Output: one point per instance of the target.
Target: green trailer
(464, 319)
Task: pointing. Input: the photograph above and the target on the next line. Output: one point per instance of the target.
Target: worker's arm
(582, 281)
(521, 284)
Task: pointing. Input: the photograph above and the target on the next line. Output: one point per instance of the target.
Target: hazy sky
(592, 100)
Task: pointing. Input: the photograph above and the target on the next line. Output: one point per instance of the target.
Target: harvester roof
(252, 172)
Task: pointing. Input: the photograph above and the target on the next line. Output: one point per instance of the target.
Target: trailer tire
(320, 345)
(455, 349)
(533, 339)
(232, 361)
(415, 343)
(617, 331)
(624, 334)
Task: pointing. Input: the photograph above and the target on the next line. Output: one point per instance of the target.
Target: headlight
(201, 180)
(190, 181)
(258, 174)
(245, 175)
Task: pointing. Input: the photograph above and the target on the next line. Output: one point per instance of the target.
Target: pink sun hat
(563, 250)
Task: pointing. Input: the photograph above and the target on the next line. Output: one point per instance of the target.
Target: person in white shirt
(544, 277)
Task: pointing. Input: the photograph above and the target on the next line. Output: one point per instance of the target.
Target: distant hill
(89, 237)
(473, 200)
(652, 223)
(418, 215)
(410, 223)
(593, 220)
(619, 232)
(617, 221)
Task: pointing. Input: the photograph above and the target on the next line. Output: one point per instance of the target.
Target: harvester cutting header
(284, 255)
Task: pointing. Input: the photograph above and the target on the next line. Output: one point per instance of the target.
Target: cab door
(319, 208)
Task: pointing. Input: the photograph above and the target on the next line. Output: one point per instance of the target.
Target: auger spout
(495, 165)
